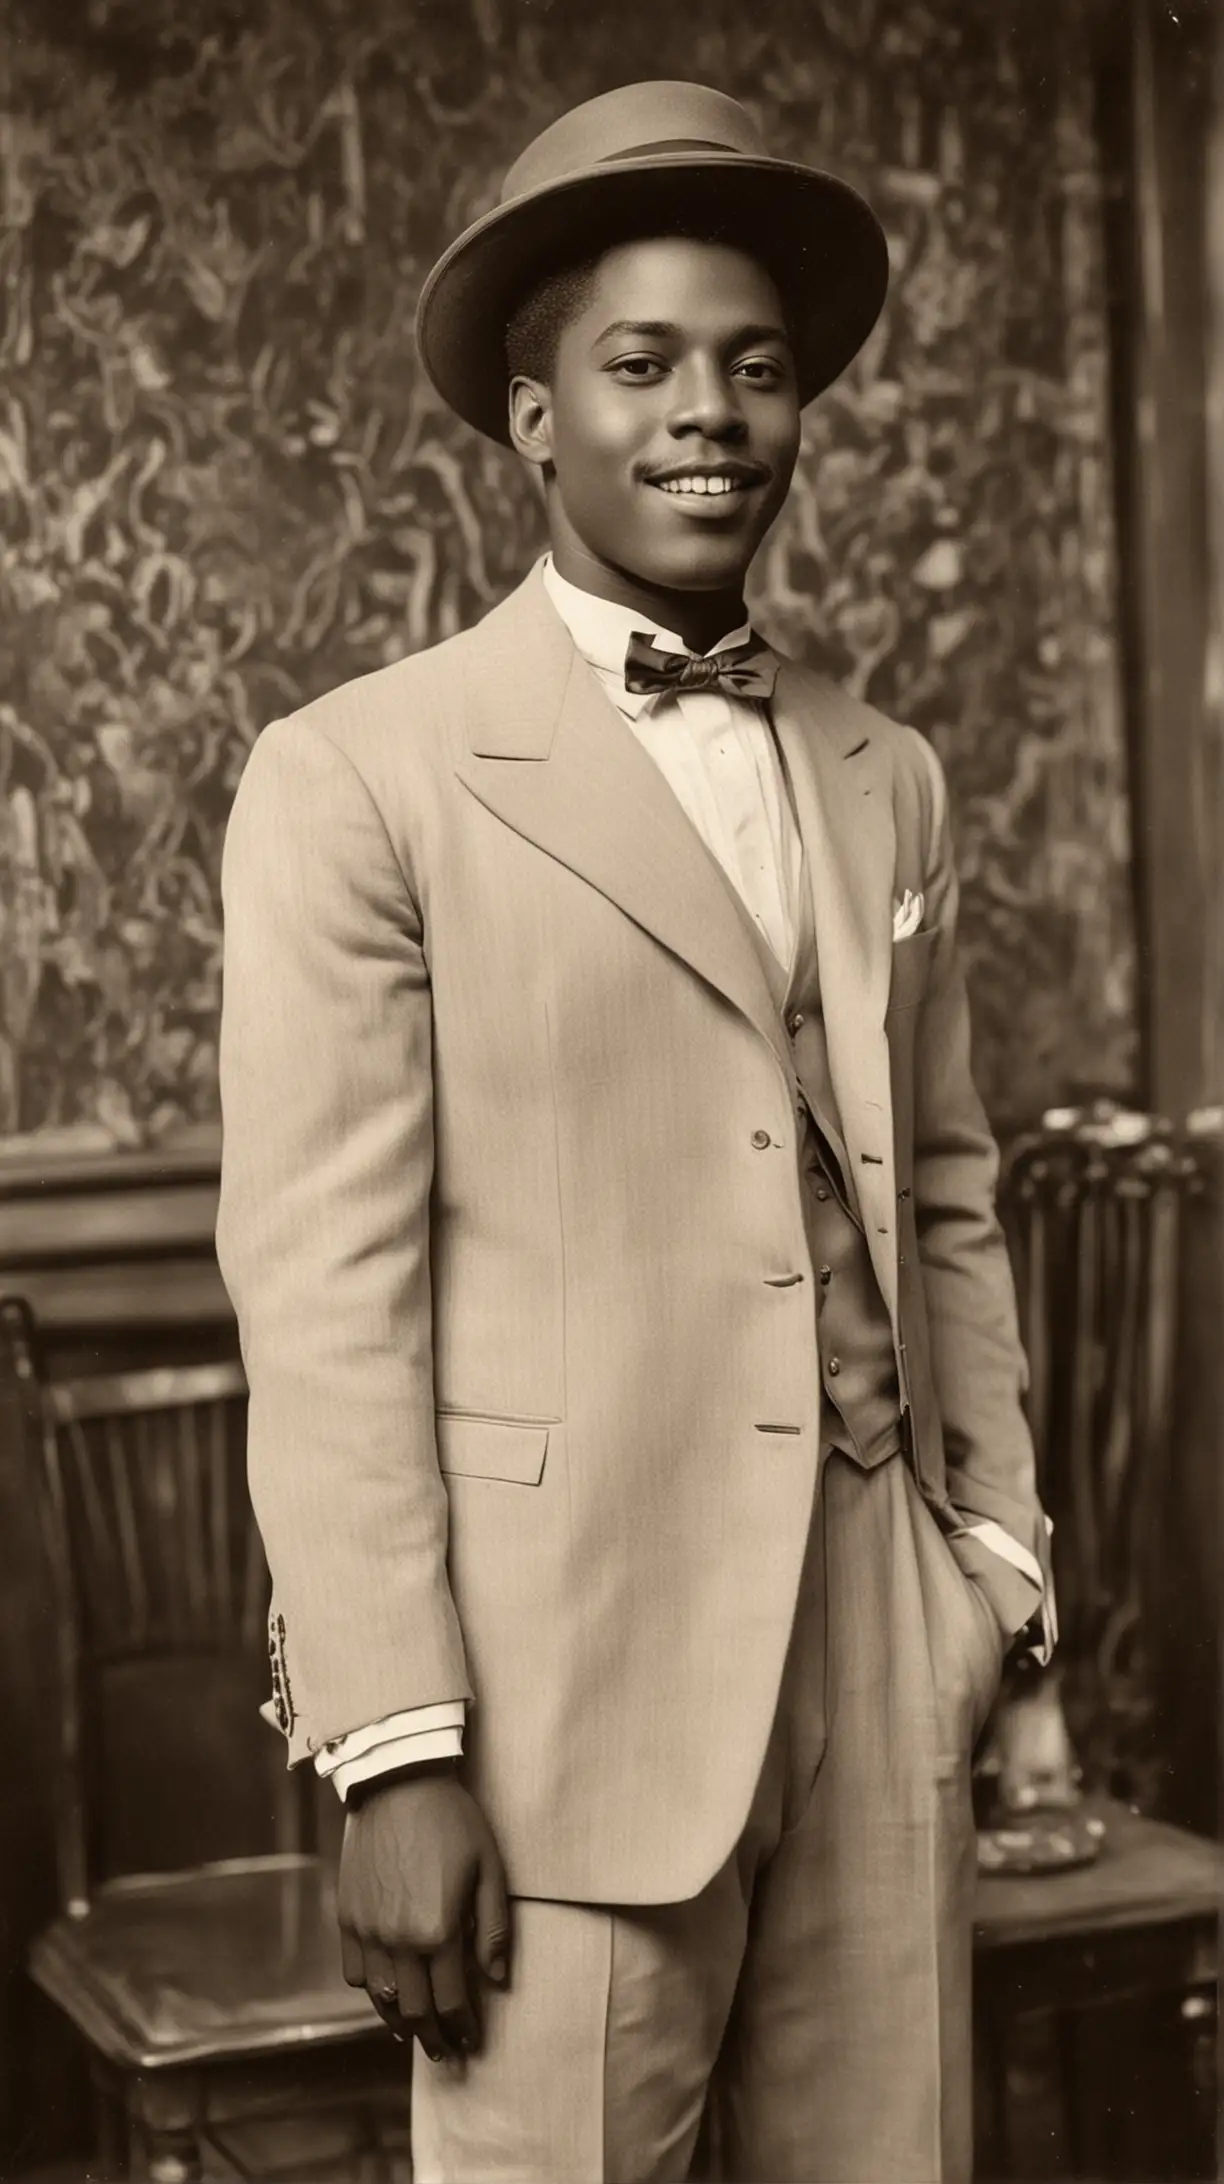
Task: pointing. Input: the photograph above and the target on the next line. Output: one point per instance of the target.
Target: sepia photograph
(611, 1091)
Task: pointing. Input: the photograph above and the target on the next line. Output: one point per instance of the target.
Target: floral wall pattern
(224, 486)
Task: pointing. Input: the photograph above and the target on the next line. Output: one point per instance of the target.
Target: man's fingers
(390, 2015)
(352, 1959)
(492, 1909)
(399, 1989)
(425, 2029)
(380, 1980)
(452, 2001)
(410, 1980)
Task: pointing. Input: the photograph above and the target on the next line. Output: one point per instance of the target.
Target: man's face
(672, 421)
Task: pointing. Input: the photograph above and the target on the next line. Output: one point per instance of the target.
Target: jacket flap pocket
(491, 1448)
(911, 964)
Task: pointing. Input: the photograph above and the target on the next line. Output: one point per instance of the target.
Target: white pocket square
(907, 915)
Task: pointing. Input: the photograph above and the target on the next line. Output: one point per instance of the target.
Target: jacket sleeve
(979, 1367)
(323, 1240)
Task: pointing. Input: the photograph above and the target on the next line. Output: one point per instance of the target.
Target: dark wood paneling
(1157, 116)
(119, 1244)
(1160, 122)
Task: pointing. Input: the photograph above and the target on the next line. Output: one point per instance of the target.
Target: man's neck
(699, 618)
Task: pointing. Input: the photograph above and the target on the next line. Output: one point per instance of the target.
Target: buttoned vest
(854, 1333)
(857, 1360)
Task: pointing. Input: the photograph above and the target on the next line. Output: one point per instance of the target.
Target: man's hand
(423, 1908)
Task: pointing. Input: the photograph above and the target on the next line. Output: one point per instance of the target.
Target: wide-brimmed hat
(652, 159)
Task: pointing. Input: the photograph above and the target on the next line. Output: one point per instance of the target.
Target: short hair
(542, 314)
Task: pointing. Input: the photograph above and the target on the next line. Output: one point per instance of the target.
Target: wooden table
(1101, 1982)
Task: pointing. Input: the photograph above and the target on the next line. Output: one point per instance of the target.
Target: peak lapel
(843, 800)
(551, 757)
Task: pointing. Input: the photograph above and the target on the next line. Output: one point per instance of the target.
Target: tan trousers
(817, 1991)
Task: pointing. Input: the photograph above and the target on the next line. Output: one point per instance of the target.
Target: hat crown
(648, 159)
(637, 118)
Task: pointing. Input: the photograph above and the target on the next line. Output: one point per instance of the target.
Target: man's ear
(531, 421)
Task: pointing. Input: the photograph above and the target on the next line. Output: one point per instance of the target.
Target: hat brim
(817, 237)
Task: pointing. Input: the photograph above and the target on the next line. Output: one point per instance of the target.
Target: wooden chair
(1099, 1204)
(210, 1995)
(1104, 1977)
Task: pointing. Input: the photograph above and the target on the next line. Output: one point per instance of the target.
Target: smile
(703, 483)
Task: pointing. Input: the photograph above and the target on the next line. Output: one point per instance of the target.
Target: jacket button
(834, 1367)
(826, 1275)
(796, 1023)
(904, 1191)
(760, 1139)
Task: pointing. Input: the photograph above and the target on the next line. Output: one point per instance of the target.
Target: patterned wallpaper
(223, 487)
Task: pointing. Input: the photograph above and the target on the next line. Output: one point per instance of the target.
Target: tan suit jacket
(509, 1183)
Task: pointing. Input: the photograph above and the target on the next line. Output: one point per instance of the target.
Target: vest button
(760, 1139)
(826, 1275)
(796, 1023)
(821, 1192)
(834, 1366)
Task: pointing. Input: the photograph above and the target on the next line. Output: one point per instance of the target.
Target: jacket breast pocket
(911, 967)
(510, 1449)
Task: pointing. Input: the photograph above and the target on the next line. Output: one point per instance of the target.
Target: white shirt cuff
(992, 1535)
(1001, 1543)
(398, 1740)
(397, 1752)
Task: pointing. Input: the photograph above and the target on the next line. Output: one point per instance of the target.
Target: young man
(635, 1389)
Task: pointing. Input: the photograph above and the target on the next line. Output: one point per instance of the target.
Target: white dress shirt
(718, 755)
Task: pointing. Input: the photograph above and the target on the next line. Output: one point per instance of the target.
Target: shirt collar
(601, 630)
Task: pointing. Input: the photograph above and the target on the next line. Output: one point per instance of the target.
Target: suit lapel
(841, 782)
(551, 757)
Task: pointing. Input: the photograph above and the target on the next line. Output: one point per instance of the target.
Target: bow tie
(745, 671)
